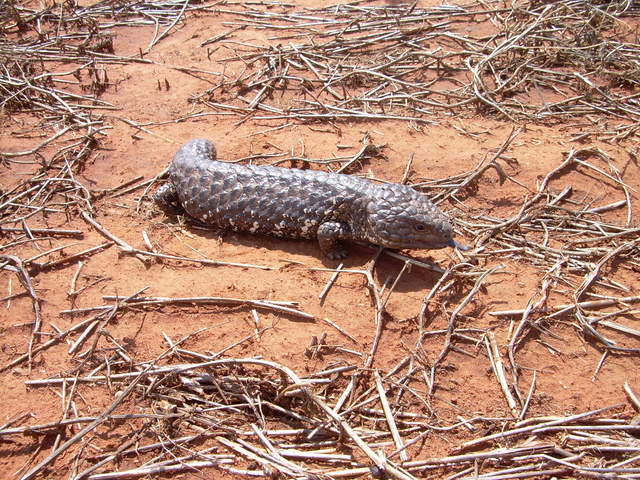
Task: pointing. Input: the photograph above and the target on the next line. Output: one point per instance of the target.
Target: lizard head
(400, 217)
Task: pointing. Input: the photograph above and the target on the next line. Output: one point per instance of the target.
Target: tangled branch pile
(258, 418)
(546, 61)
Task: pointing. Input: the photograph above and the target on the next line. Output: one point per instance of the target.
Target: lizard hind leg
(329, 236)
(166, 197)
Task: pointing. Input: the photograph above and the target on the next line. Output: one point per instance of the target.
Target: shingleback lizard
(293, 203)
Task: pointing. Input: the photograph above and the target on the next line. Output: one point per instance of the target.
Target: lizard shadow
(288, 251)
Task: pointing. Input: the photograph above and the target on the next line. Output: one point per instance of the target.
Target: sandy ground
(568, 374)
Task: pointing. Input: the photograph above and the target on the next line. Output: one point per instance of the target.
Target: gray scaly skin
(292, 203)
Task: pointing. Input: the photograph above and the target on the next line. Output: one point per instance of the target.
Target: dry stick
(25, 279)
(524, 214)
(516, 472)
(121, 243)
(160, 469)
(330, 283)
(65, 407)
(399, 256)
(221, 36)
(148, 184)
(103, 416)
(427, 299)
(267, 466)
(146, 130)
(23, 241)
(603, 357)
(36, 148)
(256, 321)
(590, 304)
(47, 231)
(395, 282)
(239, 342)
(628, 460)
(346, 428)
(595, 272)
(605, 208)
(491, 164)
(594, 428)
(593, 470)
(133, 188)
(108, 191)
(30, 235)
(48, 252)
(121, 448)
(147, 241)
(156, 39)
(60, 337)
(345, 394)
(601, 172)
(502, 453)
(367, 150)
(339, 329)
(141, 302)
(103, 323)
(620, 328)
(274, 452)
(379, 317)
(274, 459)
(74, 280)
(30, 460)
(407, 170)
(215, 263)
(140, 254)
(397, 440)
(603, 238)
(498, 369)
(174, 460)
(18, 196)
(453, 322)
(169, 300)
(70, 258)
(536, 472)
(547, 283)
(152, 446)
(83, 336)
(525, 407)
(632, 396)
(17, 419)
(317, 455)
(519, 431)
(169, 369)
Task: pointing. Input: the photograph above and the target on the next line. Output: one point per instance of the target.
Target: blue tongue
(459, 246)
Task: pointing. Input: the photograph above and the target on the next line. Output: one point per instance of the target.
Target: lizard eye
(419, 227)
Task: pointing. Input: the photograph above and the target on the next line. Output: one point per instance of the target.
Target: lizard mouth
(428, 245)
